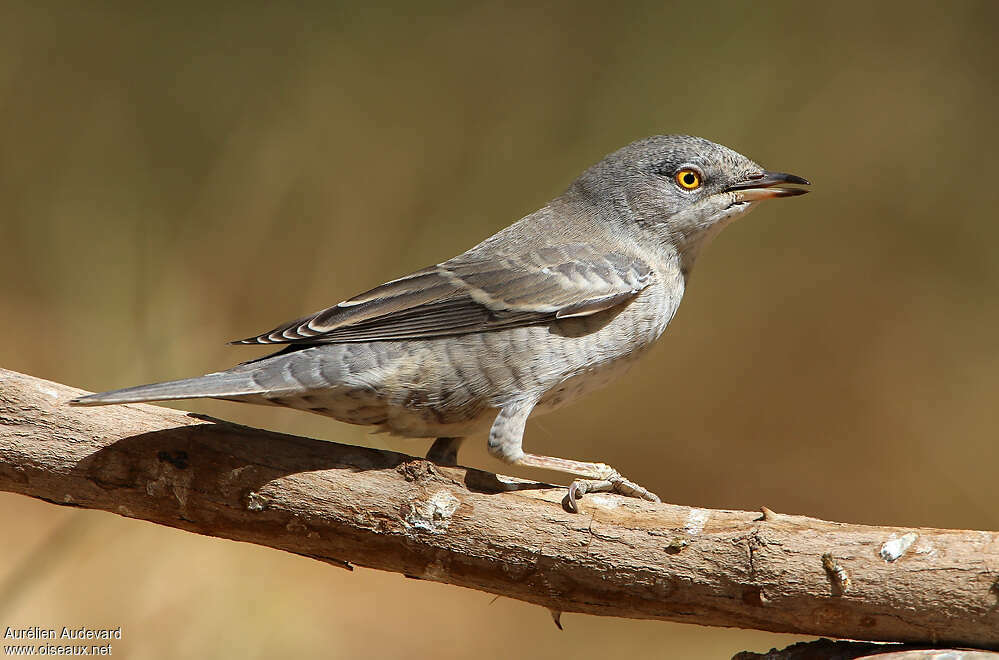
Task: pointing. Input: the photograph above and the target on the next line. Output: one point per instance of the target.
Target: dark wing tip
(249, 340)
(282, 335)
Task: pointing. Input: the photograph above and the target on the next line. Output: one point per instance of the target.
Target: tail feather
(217, 385)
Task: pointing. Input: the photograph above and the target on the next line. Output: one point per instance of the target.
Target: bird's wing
(475, 294)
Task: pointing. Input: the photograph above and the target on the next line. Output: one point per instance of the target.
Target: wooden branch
(618, 557)
(827, 649)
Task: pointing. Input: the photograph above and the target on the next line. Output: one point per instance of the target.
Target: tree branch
(619, 557)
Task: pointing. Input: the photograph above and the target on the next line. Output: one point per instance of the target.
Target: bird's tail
(223, 384)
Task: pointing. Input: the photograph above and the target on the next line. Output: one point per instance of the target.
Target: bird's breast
(595, 358)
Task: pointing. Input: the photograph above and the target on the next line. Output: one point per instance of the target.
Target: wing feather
(472, 294)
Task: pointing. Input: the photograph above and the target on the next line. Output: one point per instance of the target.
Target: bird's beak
(761, 186)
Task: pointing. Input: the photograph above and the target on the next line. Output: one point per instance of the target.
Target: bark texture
(619, 557)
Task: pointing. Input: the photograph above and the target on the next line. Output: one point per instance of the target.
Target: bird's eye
(688, 179)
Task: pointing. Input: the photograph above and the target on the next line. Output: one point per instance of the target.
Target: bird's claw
(614, 483)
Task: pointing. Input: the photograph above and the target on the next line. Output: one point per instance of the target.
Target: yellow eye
(688, 179)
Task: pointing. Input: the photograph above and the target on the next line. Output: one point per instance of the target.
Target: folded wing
(471, 294)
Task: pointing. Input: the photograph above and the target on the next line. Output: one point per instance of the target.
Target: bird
(550, 308)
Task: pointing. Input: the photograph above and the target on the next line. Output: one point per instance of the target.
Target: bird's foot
(611, 483)
(596, 478)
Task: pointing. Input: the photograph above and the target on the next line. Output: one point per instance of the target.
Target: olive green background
(174, 177)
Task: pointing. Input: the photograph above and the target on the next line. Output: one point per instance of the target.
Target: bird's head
(681, 190)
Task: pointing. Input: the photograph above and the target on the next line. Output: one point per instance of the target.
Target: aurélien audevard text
(66, 632)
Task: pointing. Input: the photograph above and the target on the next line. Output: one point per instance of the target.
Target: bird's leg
(444, 451)
(505, 443)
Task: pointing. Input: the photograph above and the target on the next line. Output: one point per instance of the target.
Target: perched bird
(553, 306)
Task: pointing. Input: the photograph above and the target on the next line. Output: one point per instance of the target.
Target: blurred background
(175, 177)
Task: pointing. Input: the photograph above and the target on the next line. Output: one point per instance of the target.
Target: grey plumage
(543, 311)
